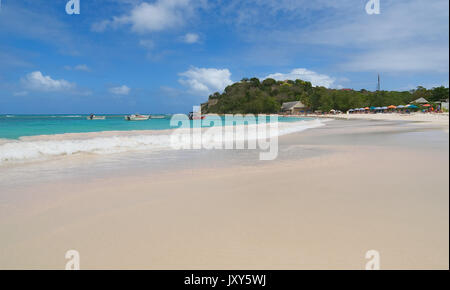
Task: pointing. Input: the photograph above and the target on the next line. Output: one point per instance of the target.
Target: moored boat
(137, 117)
(94, 117)
(196, 116)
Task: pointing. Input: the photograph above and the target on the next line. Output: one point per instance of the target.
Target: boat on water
(94, 117)
(195, 116)
(137, 117)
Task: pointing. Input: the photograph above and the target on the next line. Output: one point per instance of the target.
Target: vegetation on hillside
(254, 96)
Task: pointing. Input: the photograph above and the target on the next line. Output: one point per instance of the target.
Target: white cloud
(191, 38)
(305, 75)
(204, 81)
(122, 90)
(149, 17)
(37, 81)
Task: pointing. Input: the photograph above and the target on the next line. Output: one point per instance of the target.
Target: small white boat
(137, 117)
(94, 117)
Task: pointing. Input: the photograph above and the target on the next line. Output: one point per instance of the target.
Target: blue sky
(163, 56)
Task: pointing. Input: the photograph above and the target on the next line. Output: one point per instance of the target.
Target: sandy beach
(334, 193)
(438, 119)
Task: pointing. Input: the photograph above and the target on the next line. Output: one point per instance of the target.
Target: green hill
(254, 96)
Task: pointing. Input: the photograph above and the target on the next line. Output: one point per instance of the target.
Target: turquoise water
(16, 126)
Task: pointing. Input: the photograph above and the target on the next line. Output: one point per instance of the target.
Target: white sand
(322, 212)
(439, 119)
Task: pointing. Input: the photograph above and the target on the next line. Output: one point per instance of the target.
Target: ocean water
(16, 126)
(25, 138)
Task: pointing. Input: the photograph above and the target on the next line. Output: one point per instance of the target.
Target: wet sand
(334, 193)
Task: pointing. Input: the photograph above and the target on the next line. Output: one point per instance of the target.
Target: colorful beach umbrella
(412, 107)
(427, 105)
(401, 107)
(366, 108)
(392, 107)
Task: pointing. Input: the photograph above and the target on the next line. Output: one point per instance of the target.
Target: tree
(439, 94)
(421, 92)
(255, 82)
(269, 82)
(326, 103)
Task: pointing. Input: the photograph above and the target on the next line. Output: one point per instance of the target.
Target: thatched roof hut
(420, 101)
(293, 107)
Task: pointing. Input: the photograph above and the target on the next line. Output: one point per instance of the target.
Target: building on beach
(293, 108)
(444, 105)
(420, 101)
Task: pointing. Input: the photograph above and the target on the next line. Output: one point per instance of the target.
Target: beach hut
(444, 105)
(420, 101)
(293, 107)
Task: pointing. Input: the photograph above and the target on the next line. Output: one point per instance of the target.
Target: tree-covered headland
(255, 96)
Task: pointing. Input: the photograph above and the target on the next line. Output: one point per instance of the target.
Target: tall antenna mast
(378, 85)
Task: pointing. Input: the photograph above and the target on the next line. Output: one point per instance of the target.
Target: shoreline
(108, 142)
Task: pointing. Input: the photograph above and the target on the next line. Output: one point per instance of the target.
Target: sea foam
(39, 148)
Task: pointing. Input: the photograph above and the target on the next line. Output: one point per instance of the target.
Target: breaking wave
(43, 147)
